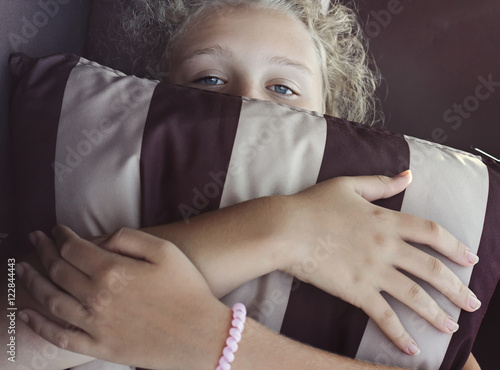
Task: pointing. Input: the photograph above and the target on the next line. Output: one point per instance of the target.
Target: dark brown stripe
(187, 144)
(313, 316)
(36, 103)
(483, 281)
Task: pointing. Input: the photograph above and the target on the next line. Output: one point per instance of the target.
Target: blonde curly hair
(350, 77)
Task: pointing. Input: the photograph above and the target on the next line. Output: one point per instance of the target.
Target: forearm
(262, 348)
(233, 245)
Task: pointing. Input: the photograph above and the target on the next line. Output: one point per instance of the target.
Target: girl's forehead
(259, 28)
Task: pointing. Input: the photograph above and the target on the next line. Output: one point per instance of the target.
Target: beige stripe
(451, 188)
(97, 181)
(277, 150)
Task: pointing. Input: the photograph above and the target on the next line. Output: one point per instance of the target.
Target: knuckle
(434, 266)
(65, 249)
(52, 305)
(90, 312)
(433, 228)
(387, 316)
(61, 340)
(382, 179)
(54, 269)
(455, 289)
(402, 339)
(115, 237)
(30, 282)
(463, 292)
(82, 312)
(416, 292)
(459, 248)
(433, 312)
(379, 239)
(107, 273)
(380, 213)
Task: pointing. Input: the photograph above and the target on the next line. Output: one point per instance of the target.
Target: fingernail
(413, 349)
(32, 238)
(23, 317)
(451, 325)
(474, 303)
(404, 173)
(471, 257)
(19, 270)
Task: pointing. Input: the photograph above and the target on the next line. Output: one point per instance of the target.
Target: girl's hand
(152, 309)
(357, 249)
(148, 307)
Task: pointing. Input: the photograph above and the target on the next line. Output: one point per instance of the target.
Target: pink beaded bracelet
(238, 324)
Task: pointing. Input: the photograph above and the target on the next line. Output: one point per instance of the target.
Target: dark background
(434, 56)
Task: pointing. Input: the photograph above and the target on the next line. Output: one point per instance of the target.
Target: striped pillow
(96, 150)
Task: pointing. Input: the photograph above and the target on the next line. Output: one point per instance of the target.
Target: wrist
(274, 234)
(235, 244)
(203, 342)
(288, 246)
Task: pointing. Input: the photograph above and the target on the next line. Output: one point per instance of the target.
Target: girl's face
(261, 54)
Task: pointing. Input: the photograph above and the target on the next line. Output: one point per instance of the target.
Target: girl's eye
(281, 89)
(211, 81)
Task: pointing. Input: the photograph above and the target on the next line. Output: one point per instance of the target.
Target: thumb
(380, 187)
(135, 244)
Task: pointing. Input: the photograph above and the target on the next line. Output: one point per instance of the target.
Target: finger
(59, 270)
(82, 254)
(136, 244)
(386, 319)
(380, 187)
(68, 337)
(418, 230)
(436, 273)
(57, 302)
(415, 297)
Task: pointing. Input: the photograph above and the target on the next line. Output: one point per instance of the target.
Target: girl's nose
(249, 90)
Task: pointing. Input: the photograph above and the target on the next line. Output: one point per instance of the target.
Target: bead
(235, 334)
(240, 315)
(237, 323)
(231, 343)
(228, 354)
(240, 307)
(224, 364)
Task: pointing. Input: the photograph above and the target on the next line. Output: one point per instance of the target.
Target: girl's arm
(153, 310)
(236, 244)
(471, 363)
(359, 248)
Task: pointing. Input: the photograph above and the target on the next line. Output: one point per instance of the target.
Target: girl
(287, 52)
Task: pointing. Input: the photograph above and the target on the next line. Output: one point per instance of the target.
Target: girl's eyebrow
(218, 50)
(285, 61)
(215, 50)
